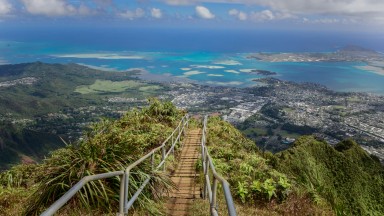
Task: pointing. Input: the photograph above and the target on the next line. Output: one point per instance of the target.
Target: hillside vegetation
(109, 146)
(21, 145)
(310, 178)
(345, 176)
(39, 103)
(59, 86)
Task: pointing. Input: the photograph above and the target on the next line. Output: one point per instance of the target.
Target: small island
(345, 54)
(264, 72)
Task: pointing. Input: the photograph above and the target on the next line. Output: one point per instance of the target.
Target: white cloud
(54, 8)
(365, 9)
(233, 12)
(128, 14)
(268, 15)
(5, 7)
(204, 12)
(180, 2)
(240, 15)
(330, 21)
(262, 15)
(156, 13)
(325, 6)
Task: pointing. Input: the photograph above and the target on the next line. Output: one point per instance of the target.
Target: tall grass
(108, 146)
(252, 179)
(257, 187)
(344, 177)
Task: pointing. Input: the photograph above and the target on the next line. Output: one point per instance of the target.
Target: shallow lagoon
(229, 69)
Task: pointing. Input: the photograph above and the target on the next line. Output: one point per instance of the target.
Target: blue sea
(212, 57)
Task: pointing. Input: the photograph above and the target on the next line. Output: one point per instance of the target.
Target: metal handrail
(124, 203)
(212, 189)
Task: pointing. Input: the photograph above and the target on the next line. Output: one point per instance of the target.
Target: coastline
(372, 69)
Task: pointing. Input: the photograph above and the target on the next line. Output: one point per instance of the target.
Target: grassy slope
(20, 145)
(55, 90)
(258, 188)
(311, 178)
(345, 178)
(111, 146)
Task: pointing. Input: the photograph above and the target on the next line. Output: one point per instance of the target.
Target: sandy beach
(373, 69)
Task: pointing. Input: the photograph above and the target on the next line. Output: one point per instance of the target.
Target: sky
(351, 15)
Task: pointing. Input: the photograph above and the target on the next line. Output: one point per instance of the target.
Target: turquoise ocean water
(211, 68)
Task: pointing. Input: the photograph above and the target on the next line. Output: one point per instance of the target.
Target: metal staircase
(193, 147)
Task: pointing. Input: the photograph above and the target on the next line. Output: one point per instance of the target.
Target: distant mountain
(359, 52)
(354, 48)
(349, 53)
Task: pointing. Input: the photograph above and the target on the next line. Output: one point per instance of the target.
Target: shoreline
(372, 69)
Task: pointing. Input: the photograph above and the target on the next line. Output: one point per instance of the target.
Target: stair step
(188, 187)
(185, 171)
(186, 190)
(190, 152)
(177, 206)
(189, 171)
(185, 195)
(187, 166)
(179, 200)
(193, 155)
(177, 213)
(190, 160)
(185, 175)
(189, 163)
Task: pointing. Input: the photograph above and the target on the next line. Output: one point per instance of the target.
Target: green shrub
(19, 176)
(240, 162)
(345, 177)
(109, 146)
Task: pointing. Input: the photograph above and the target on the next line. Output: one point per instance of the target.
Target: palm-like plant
(109, 146)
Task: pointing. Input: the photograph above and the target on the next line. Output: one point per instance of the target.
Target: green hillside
(111, 146)
(39, 103)
(310, 178)
(20, 145)
(60, 86)
(345, 177)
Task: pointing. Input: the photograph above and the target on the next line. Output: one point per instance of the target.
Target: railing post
(126, 178)
(121, 197)
(203, 164)
(214, 193)
(163, 157)
(206, 175)
(179, 128)
(179, 137)
(173, 139)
